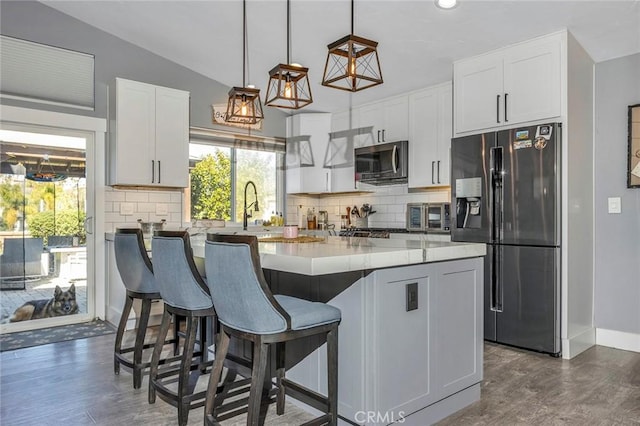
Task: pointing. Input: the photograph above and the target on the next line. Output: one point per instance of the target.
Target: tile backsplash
(388, 202)
(123, 207)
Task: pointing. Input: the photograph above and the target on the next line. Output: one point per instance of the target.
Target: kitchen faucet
(246, 215)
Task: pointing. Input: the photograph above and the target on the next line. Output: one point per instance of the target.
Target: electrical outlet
(412, 296)
(615, 205)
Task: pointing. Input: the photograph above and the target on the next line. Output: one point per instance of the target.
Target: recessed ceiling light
(446, 4)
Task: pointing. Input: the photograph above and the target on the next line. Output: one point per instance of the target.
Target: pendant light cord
(244, 43)
(288, 30)
(352, 8)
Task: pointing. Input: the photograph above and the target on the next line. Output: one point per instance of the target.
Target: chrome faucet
(245, 214)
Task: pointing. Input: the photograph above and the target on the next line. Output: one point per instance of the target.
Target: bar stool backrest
(241, 296)
(133, 262)
(179, 282)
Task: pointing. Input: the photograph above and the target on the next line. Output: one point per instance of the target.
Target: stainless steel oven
(382, 164)
(428, 217)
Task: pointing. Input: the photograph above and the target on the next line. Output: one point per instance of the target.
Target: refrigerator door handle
(496, 297)
(496, 193)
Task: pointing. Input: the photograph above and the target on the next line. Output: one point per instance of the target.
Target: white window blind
(42, 73)
(203, 135)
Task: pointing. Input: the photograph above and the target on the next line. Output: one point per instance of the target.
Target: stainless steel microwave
(382, 164)
(428, 217)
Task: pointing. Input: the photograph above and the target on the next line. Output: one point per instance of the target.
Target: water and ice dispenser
(468, 202)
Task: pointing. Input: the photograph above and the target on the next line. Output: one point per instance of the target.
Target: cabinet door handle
(433, 164)
(438, 171)
(383, 139)
(153, 171)
(326, 182)
(505, 107)
(497, 108)
(378, 136)
(159, 172)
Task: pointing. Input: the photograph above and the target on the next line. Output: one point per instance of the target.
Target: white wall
(617, 236)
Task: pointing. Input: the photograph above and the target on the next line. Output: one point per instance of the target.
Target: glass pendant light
(352, 63)
(244, 105)
(288, 83)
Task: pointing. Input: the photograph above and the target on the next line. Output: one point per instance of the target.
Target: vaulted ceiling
(418, 42)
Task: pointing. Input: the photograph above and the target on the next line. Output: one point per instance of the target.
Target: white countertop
(344, 254)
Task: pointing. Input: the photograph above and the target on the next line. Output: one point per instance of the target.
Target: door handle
(153, 171)
(433, 165)
(497, 108)
(88, 229)
(326, 182)
(378, 136)
(394, 158)
(159, 172)
(383, 138)
(506, 95)
(438, 171)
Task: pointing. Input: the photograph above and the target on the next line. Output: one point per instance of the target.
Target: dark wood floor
(72, 383)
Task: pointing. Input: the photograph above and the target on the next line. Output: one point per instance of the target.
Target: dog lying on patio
(62, 303)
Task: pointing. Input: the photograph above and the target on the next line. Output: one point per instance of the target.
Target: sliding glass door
(45, 181)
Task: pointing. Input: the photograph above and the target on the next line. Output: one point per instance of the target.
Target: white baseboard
(618, 339)
(578, 343)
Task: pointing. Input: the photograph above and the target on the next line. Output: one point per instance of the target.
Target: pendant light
(288, 83)
(244, 104)
(352, 63)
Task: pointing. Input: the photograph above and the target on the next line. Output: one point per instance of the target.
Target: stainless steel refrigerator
(506, 193)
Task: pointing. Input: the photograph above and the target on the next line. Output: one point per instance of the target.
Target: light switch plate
(126, 209)
(615, 205)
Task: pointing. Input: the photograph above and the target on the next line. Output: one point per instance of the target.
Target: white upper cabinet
(430, 124)
(514, 85)
(307, 148)
(385, 121)
(149, 140)
(344, 139)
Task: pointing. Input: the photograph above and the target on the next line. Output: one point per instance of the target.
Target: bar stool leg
(332, 372)
(185, 369)
(222, 346)
(139, 345)
(120, 333)
(157, 350)
(257, 381)
(280, 374)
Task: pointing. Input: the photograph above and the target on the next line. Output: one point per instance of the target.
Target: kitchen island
(410, 340)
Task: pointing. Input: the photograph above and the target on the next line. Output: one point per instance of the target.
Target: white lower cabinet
(398, 364)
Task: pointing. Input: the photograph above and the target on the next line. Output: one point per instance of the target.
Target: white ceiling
(417, 41)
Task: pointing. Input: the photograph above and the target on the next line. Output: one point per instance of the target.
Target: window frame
(233, 147)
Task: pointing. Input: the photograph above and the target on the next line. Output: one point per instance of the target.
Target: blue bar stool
(248, 310)
(185, 294)
(136, 272)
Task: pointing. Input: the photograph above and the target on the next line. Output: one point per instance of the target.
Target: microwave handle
(394, 159)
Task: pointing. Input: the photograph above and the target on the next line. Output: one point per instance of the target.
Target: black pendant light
(288, 83)
(244, 105)
(352, 63)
